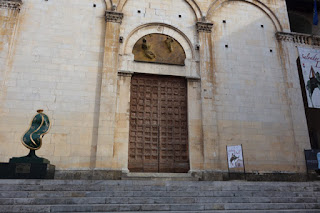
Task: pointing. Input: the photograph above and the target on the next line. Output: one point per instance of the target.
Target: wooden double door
(158, 138)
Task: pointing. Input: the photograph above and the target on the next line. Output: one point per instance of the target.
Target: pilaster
(195, 124)
(9, 32)
(209, 118)
(122, 123)
(288, 43)
(108, 99)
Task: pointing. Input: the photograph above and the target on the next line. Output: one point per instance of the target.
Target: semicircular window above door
(159, 48)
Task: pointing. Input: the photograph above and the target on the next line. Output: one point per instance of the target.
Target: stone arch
(218, 3)
(162, 28)
(108, 4)
(194, 6)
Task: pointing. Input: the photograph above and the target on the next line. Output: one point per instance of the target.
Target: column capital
(112, 16)
(11, 4)
(204, 27)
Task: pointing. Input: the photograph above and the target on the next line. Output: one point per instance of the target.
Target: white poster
(310, 65)
(235, 158)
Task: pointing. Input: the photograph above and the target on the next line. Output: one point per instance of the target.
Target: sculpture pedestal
(27, 167)
(26, 171)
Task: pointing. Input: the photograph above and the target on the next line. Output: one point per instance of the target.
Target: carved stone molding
(112, 16)
(125, 73)
(299, 38)
(193, 79)
(11, 4)
(204, 27)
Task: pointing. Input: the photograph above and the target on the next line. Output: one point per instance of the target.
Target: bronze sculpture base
(30, 158)
(27, 167)
(26, 171)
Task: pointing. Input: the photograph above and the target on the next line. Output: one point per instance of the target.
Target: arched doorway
(160, 90)
(158, 124)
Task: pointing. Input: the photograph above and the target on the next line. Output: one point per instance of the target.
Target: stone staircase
(157, 196)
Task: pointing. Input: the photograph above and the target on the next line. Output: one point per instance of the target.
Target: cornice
(112, 16)
(299, 38)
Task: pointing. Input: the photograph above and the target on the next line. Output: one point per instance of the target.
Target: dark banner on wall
(312, 159)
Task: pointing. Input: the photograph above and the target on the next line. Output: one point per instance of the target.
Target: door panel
(158, 124)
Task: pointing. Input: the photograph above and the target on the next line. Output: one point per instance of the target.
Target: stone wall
(56, 66)
(252, 101)
(69, 61)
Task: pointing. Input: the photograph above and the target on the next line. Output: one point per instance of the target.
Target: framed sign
(310, 66)
(235, 157)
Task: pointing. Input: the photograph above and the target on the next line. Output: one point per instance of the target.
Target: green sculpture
(32, 139)
(40, 125)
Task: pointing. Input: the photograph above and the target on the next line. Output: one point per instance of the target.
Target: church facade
(154, 86)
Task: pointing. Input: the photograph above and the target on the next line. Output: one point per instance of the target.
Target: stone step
(158, 183)
(229, 211)
(156, 207)
(88, 194)
(159, 176)
(190, 188)
(157, 186)
(153, 200)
